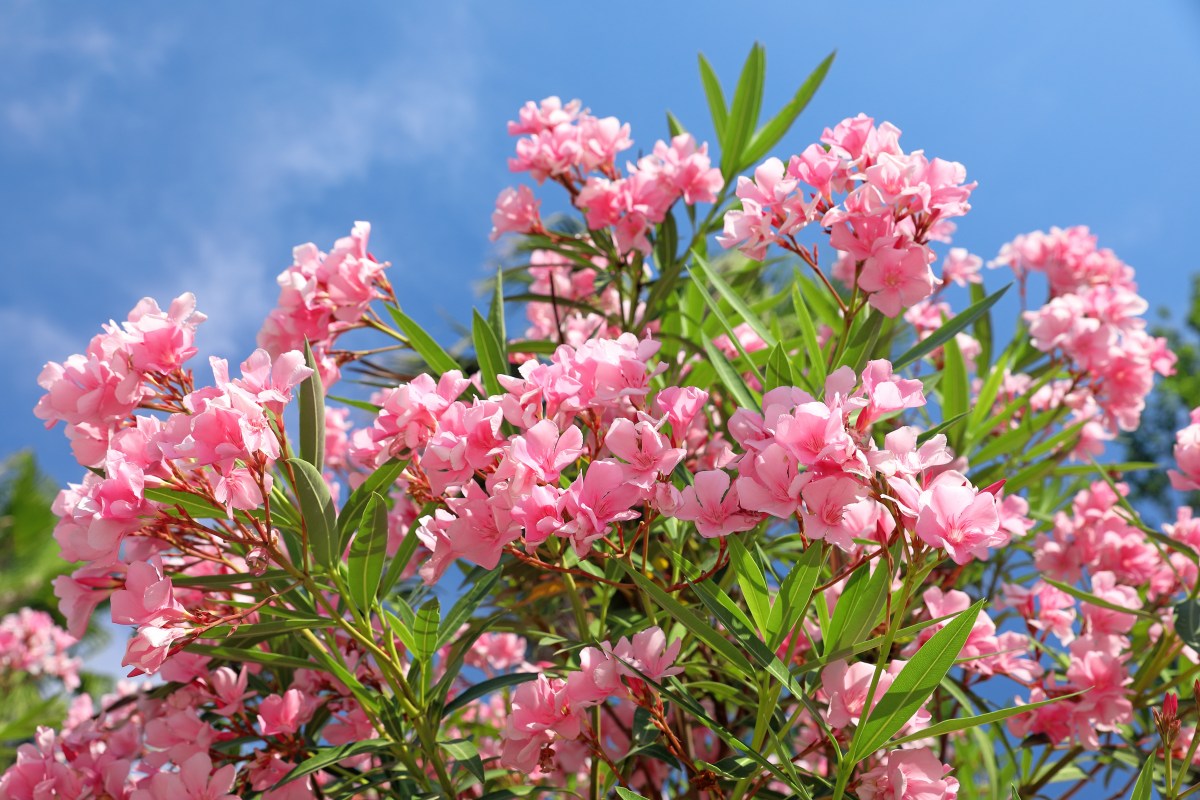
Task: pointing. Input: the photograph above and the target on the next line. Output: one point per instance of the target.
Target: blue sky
(151, 149)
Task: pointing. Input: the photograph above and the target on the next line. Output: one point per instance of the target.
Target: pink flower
(714, 506)
(541, 712)
(516, 212)
(845, 687)
(147, 597)
(597, 499)
(897, 278)
(647, 452)
(954, 516)
(837, 509)
(961, 267)
(195, 780)
(150, 647)
(908, 775)
(282, 715)
(650, 654)
(544, 452)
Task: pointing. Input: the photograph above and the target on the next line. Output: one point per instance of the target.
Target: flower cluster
(323, 295)
(568, 145)
(1093, 321)
(31, 643)
(892, 206)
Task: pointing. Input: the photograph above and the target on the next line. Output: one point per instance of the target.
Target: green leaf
(484, 688)
(955, 388)
(380, 481)
(496, 313)
(331, 756)
(316, 504)
(914, 685)
(814, 357)
(1187, 622)
(730, 379)
(193, 504)
(733, 298)
(425, 629)
(752, 582)
(465, 606)
(253, 655)
(423, 344)
(949, 330)
(743, 113)
(625, 794)
(227, 581)
(489, 353)
(982, 329)
(1145, 780)
(464, 752)
(925, 436)
(368, 551)
(312, 413)
(965, 723)
(692, 621)
(1093, 600)
(716, 98)
(361, 405)
(779, 369)
(771, 133)
(674, 126)
(794, 594)
(859, 609)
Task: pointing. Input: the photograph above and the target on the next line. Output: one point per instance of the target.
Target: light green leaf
(316, 505)
(743, 112)
(730, 379)
(423, 344)
(735, 300)
(794, 593)
(773, 131)
(425, 629)
(949, 330)
(716, 98)
(1145, 780)
(312, 413)
(378, 482)
(752, 581)
(489, 353)
(1093, 600)
(331, 756)
(859, 609)
(368, 551)
(914, 685)
(965, 723)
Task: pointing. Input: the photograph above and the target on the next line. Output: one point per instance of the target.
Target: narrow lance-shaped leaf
(794, 593)
(715, 97)
(368, 552)
(948, 331)
(752, 581)
(316, 504)
(489, 353)
(425, 629)
(914, 685)
(732, 297)
(743, 111)
(330, 756)
(773, 131)
(496, 312)
(485, 688)
(858, 609)
(731, 380)
(423, 344)
(312, 413)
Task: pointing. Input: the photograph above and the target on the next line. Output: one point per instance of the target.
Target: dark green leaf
(730, 379)
(380, 481)
(794, 594)
(859, 609)
(425, 629)
(485, 688)
(752, 581)
(330, 756)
